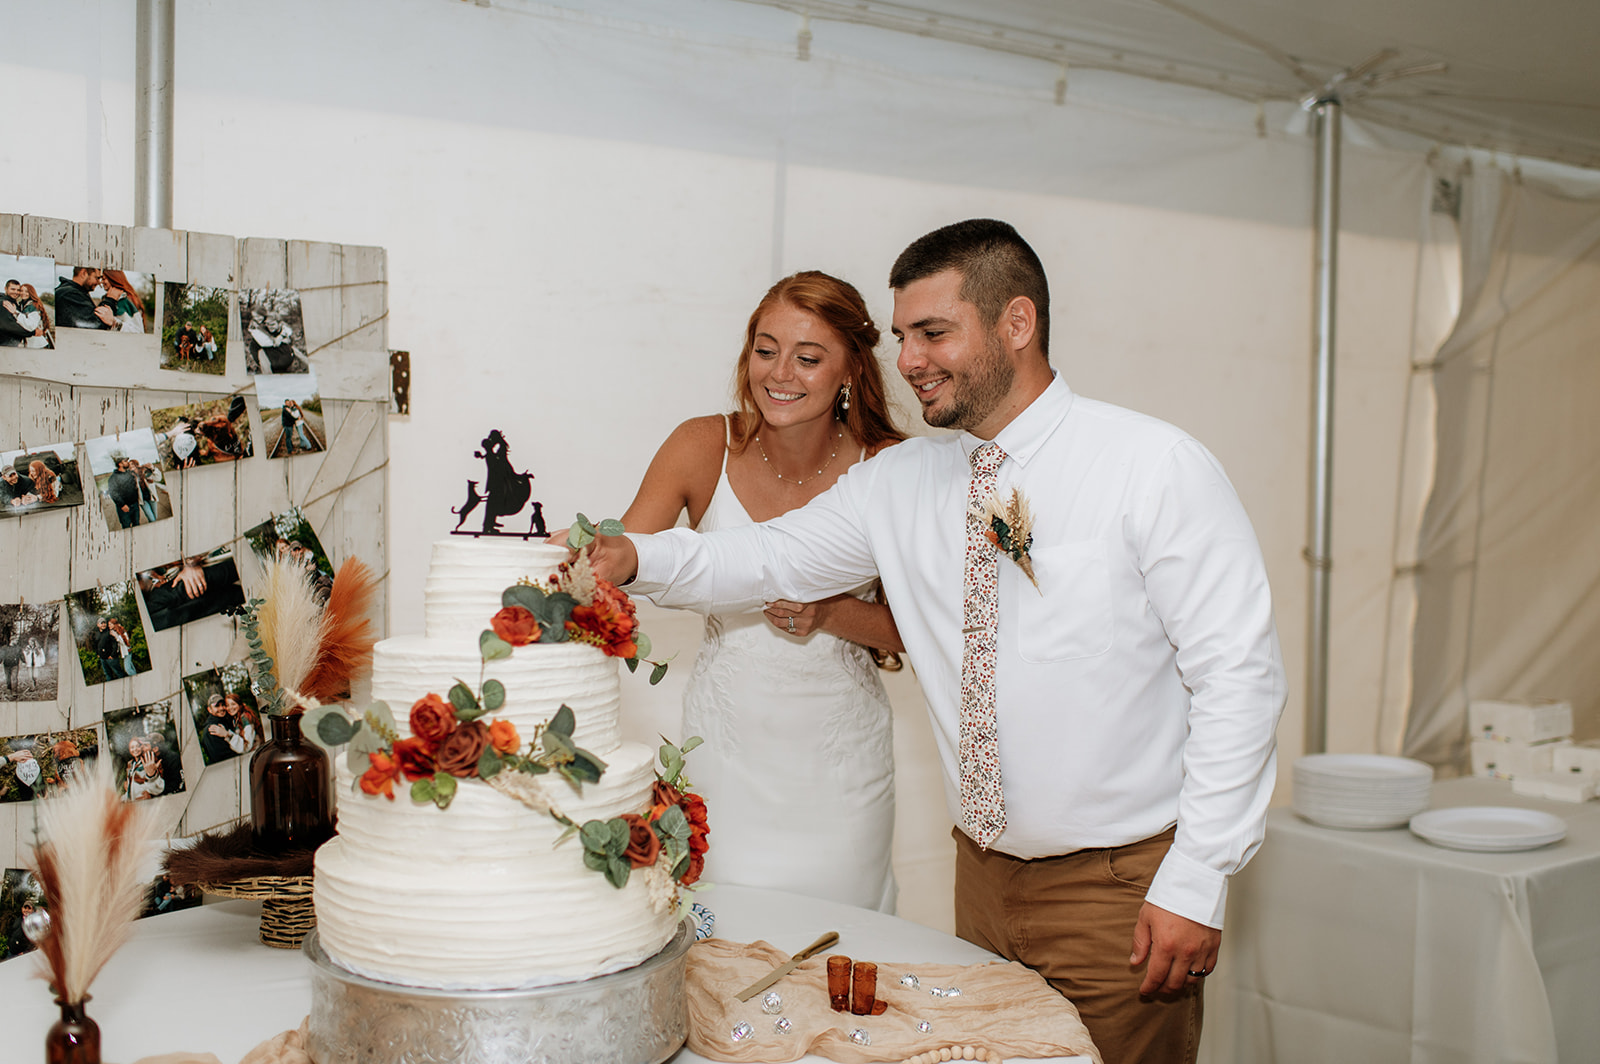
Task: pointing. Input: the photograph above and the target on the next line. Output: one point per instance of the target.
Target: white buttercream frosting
(476, 896)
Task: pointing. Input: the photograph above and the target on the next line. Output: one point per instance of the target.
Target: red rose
(643, 845)
(608, 622)
(379, 779)
(432, 720)
(459, 753)
(414, 758)
(697, 865)
(516, 626)
(694, 808)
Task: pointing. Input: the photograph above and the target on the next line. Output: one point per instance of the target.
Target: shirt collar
(1028, 431)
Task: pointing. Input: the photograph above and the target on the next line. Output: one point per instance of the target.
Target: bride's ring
(791, 626)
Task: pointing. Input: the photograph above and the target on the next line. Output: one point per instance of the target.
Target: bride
(798, 762)
(32, 315)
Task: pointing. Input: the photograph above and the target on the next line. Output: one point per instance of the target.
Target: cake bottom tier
(478, 897)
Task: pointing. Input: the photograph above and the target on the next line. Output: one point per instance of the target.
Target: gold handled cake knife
(787, 966)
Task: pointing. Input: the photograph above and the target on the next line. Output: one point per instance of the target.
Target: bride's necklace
(796, 481)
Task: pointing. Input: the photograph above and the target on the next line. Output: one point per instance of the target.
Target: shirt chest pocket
(1072, 618)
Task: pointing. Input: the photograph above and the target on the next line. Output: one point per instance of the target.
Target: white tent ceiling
(1518, 78)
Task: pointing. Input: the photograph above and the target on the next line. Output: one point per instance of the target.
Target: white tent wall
(579, 211)
(1509, 548)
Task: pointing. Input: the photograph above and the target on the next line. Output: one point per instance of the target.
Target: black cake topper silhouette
(505, 493)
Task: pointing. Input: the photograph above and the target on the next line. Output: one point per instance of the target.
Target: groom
(1107, 735)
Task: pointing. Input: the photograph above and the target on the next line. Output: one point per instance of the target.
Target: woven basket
(287, 912)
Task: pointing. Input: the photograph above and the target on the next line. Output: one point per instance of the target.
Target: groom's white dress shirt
(1138, 687)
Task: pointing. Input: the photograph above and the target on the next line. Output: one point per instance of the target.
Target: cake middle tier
(539, 679)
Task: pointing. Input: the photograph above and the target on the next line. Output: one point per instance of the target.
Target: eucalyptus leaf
(444, 789)
(365, 740)
(422, 790)
(494, 695)
(631, 663)
(657, 673)
(619, 836)
(596, 861)
(461, 697)
(690, 743)
(617, 870)
(579, 537)
(642, 644)
(328, 727)
(595, 835)
(359, 761)
(671, 761)
(611, 527)
(572, 829)
(492, 648)
(682, 867)
(527, 596)
(532, 767)
(379, 718)
(489, 763)
(674, 823)
(563, 722)
(556, 743)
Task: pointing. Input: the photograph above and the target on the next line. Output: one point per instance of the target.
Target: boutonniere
(1010, 529)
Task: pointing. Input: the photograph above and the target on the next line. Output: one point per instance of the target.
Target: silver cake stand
(635, 1016)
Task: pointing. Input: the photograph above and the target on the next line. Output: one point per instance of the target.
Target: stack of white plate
(1363, 791)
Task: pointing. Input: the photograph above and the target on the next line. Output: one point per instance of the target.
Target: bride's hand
(559, 539)
(807, 617)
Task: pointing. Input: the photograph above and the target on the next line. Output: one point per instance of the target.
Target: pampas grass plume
(290, 622)
(347, 633)
(88, 865)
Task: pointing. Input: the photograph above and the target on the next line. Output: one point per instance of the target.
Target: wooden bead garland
(937, 1056)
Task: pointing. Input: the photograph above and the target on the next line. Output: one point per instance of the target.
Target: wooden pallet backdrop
(97, 384)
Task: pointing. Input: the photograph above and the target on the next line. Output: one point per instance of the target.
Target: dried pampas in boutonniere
(1009, 526)
(89, 867)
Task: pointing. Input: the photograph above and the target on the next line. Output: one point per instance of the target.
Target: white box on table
(1519, 721)
(1508, 760)
(1581, 757)
(1557, 786)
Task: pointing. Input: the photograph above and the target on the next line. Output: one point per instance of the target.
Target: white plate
(1488, 828)
(1373, 767)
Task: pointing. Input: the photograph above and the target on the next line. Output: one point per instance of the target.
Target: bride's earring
(844, 396)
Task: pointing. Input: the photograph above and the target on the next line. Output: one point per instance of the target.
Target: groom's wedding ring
(1199, 975)
(791, 626)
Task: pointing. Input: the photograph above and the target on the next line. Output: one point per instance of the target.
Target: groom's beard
(976, 393)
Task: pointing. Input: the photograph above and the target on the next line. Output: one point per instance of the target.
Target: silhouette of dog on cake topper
(505, 493)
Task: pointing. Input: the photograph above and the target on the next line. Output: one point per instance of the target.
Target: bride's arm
(868, 623)
(682, 476)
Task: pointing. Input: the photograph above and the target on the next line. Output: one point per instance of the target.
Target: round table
(200, 981)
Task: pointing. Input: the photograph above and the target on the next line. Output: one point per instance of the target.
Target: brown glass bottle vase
(74, 1038)
(291, 791)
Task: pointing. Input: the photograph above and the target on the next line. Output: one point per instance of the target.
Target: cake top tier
(467, 575)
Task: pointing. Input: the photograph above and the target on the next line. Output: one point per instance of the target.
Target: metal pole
(1319, 552)
(152, 115)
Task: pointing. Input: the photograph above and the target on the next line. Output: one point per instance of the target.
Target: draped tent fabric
(1508, 555)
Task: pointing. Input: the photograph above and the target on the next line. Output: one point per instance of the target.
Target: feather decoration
(289, 622)
(347, 634)
(89, 868)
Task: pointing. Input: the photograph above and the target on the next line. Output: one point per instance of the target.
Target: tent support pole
(1327, 112)
(152, 114)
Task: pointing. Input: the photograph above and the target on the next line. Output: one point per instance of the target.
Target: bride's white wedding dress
(798, 763)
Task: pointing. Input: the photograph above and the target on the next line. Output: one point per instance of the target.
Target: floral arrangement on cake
(456, 738)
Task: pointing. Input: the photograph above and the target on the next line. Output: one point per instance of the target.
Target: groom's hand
(614, 558)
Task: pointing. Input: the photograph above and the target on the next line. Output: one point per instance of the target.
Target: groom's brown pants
(1071, 918)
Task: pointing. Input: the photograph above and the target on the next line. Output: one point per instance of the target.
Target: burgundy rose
(432, 720)
(643, 845)
(459, 753)
(414, 758)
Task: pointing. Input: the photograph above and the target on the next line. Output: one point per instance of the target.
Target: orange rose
(643, 844)
(379, 779)
(432, 720)
(413, 758)
(608, 623)
(503, 737)
(516, 626)
(694, 808)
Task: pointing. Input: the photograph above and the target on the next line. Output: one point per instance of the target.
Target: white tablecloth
(1375, 946)
(200, 981)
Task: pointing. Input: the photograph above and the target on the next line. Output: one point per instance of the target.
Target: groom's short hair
(995, 263)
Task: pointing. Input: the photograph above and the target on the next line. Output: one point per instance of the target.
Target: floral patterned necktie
(983, 801)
